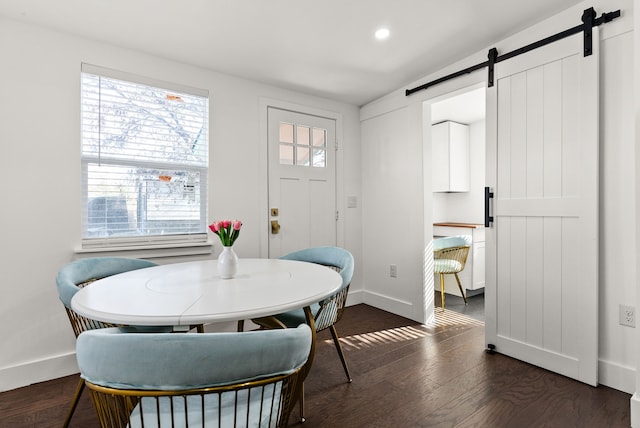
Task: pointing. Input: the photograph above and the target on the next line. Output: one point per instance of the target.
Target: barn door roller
(589, 21)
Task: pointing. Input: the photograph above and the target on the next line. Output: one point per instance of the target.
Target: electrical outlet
(627, 315)
(393, 271)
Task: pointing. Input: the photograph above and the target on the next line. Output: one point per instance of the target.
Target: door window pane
(319, 137)
(296, 141)
(302, 156)
(319, 158)
(286, 133)
(302, 135)
(286, 154)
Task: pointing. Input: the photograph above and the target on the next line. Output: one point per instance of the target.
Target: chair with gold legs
(449, 257)
(76, 275)
(221, 380)
(327, 312)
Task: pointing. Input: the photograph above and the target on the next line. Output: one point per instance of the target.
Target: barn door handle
(488, 195)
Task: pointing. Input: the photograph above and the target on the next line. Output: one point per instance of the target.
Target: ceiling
(466, 108)
(324, 48)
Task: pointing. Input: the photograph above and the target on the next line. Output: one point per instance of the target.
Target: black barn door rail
(589, 21)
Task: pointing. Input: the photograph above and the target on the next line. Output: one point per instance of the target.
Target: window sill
(150, 251)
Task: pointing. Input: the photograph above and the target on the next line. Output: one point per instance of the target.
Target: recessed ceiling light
(382, 33)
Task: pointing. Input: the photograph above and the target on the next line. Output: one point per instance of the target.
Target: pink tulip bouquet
(227, 230)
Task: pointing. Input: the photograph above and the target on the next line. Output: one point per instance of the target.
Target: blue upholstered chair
(77, 274)
(449, 258)
(327, 312)
(247, 379)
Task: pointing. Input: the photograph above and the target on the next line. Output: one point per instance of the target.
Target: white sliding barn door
(542, 249)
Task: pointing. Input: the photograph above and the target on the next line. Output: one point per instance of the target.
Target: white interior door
(302, 181)
(542, 250)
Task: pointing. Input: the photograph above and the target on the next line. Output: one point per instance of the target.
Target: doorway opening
(458, 179)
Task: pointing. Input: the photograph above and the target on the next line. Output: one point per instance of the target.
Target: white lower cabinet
(472, 277)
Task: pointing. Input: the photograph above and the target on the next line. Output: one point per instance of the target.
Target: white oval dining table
(190, 293)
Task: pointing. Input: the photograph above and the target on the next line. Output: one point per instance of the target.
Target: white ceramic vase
(227, 263)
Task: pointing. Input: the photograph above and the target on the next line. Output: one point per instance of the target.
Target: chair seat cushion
(296, 317)
(261, 408)
(446, 266)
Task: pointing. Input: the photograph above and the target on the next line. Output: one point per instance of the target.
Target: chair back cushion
(329, 310)
(328, 256)
(172, 361)
(83, 270)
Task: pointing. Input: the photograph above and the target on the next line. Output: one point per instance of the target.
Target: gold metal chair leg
(460, 287)
(301, 400)
(311, 322)
(74, 402)
(442, 290)
(334, 334)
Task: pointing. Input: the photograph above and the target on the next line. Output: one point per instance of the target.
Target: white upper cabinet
(450, 151)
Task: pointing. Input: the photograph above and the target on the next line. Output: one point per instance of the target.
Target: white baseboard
(635, 411)
(37, 371)
(617, 376)
(389, 304)
(355, 297)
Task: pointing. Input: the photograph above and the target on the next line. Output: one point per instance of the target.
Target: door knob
(275, 227)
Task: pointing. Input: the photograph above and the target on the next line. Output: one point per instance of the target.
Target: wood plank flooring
(404, 375)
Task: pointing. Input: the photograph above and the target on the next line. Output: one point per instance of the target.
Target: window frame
(115, 243)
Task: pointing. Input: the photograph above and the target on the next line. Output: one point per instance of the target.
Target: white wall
(466, 207)
(618, 355)
(394, 227)
(635, 399)
(618, 216)
(40, 164)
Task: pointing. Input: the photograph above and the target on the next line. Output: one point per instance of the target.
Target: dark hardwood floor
(404, 375)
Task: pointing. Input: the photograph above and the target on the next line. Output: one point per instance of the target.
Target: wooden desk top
(469, 225)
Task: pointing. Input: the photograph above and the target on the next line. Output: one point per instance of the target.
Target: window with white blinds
(144, 160)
